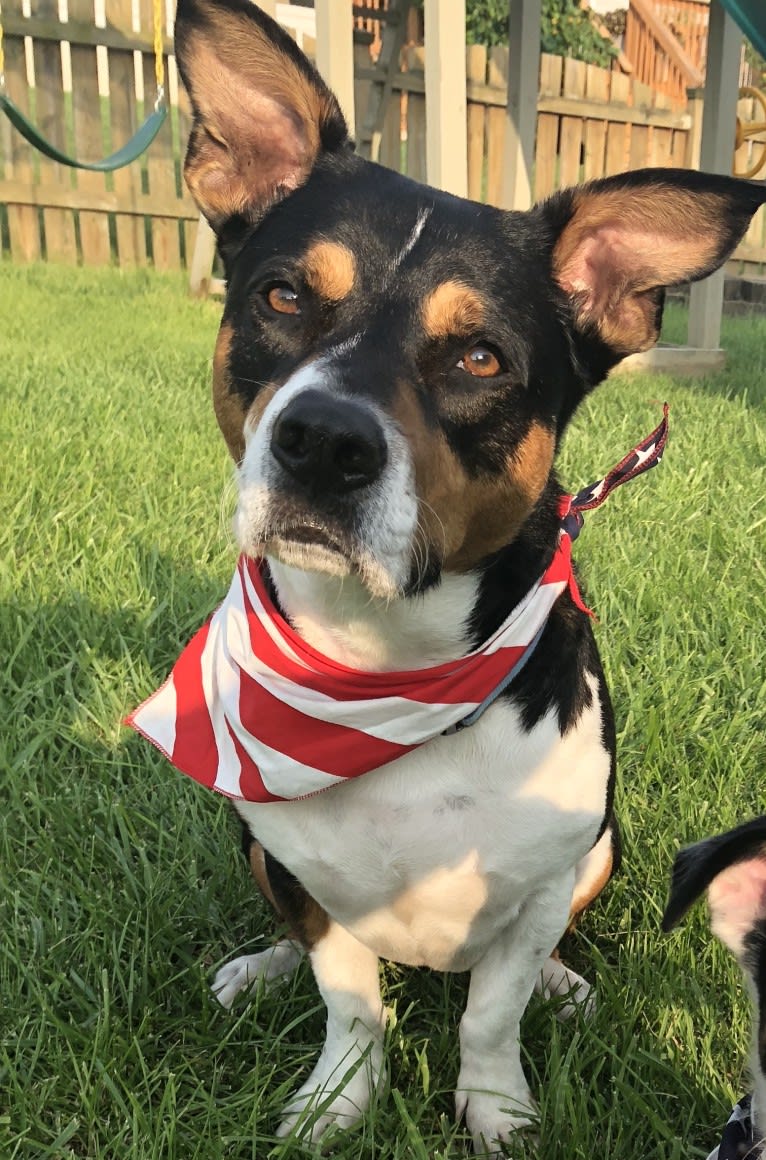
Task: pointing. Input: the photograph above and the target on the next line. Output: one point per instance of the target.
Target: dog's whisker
(227, 503)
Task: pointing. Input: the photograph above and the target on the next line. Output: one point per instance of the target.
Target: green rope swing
(133, 149)
(130, 151)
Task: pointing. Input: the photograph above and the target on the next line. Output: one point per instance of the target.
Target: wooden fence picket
(88, 144)
(476, 71)
(594, 133)
(50, 115)
(23, 220)
(572, 127)
(548, 127)
(617, 139)
(129, 228)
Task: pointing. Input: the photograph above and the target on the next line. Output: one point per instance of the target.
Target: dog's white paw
(555, 980)
(493, 1095)
(494, 1120)
(240, 974)
(337, 1093)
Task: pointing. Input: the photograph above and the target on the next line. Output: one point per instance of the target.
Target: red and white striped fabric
(252, 711)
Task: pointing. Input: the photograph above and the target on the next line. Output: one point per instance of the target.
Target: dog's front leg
(349, 1069)
(492, 1090)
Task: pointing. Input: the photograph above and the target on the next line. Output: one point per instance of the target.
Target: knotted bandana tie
(252, 711)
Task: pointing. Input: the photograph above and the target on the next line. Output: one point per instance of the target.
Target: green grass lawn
(121, 885)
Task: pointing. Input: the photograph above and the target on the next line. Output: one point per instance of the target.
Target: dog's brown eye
(283, 299)
(480, 361)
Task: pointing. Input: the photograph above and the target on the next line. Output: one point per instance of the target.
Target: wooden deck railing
(688, 21)
(658, 56)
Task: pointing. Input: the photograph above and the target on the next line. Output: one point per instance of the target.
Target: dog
(731, 867)
(394, 373)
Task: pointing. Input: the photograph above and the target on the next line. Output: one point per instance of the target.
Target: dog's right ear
(732, 867)
(262, 114)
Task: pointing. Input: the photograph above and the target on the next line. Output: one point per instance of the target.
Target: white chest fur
(425, 859)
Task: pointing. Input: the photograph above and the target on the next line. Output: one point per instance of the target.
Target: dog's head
(396, 366)
(732, 868)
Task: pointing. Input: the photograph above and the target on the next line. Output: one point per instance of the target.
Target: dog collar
(737, 1141)
(252, 711)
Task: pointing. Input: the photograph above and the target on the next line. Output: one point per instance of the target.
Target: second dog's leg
(492, 1090)
(241, 973)
(347, 976)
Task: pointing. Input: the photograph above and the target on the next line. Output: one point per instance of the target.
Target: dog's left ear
(732, 868)
(262, 113)
(621, 240)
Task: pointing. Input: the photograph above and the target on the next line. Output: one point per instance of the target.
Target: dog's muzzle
(327, 444)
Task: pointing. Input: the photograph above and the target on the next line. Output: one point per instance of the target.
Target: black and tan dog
(394, 373)
(731, 867)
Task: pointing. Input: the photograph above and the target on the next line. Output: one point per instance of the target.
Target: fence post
(724, 47)
(521, 117)
(335, 52)
(446, 110)
(695, 103)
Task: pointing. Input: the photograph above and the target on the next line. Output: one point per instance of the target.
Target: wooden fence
(591, 122)
(91, 86)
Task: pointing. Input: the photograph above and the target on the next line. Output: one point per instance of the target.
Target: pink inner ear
(612, 259)
(257, 127)
(737, 900)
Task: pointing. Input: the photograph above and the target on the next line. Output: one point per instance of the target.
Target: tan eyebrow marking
(452, 308)
(330, 270)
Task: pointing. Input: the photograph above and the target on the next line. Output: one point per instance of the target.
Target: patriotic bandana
(252, 711)
(737, 1142)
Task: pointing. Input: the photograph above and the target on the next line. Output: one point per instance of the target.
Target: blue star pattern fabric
(646, 455)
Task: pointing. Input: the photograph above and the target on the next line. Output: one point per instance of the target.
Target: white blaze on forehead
(412, 240)
(342, 348)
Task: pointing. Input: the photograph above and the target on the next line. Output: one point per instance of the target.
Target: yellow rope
(2, 53)
(159, 70)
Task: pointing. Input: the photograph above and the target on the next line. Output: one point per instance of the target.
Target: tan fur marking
(229, 409)
(530, 465)
(494, 509)
(329, 269)
(461, 518)
(306, 921)
(582, 900)
(257, 860)
(453, 309)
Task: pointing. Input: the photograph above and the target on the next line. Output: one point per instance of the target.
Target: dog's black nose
(328, 443)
